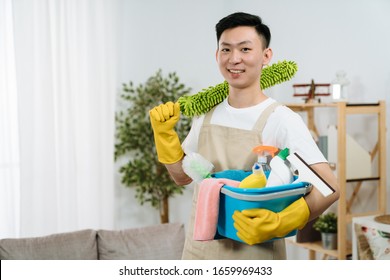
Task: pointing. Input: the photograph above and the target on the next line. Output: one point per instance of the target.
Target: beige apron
(230, 148)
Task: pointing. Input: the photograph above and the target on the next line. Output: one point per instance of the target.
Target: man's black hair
(244, 19)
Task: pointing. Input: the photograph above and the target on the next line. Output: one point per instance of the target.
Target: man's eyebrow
(241, 43)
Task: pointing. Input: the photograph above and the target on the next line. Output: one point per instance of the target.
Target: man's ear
(216, 55)
(267, 56)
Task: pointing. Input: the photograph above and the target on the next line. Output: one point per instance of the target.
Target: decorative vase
(329, 240)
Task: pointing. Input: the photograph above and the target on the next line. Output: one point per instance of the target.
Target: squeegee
(307, 174)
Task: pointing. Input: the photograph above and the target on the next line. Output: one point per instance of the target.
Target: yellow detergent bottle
(256, 180)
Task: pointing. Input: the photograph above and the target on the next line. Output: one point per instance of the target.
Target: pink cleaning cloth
(206, 215)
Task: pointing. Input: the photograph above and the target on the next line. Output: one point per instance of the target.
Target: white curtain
(65, 84)
(9, 140)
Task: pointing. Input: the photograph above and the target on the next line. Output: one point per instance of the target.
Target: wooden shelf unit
(344, 204)
(316, 247)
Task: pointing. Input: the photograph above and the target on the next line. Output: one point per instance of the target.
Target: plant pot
(329, 240)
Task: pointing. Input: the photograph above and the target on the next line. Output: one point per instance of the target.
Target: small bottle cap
(283, 154)
(257, 168)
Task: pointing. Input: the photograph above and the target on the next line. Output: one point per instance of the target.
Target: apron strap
(207, 117)
(259, 125)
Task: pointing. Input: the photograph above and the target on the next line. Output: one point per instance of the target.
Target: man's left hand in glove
(258, 225)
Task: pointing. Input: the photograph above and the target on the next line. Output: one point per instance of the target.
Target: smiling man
(241, 55)
(226, 136)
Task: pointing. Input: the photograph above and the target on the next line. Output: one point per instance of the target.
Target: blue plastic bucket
(272, 198)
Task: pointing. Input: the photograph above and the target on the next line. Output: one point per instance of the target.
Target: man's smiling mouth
(234, 71)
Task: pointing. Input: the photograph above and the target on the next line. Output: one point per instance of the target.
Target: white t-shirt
(284, 129)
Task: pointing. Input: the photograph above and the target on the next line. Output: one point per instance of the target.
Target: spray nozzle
(263, 152)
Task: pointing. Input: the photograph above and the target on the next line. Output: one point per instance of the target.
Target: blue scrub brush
(197, 167)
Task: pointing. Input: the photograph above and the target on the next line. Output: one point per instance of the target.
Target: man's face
(241, 56)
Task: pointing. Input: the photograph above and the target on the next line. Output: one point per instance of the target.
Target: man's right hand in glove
(163, 119)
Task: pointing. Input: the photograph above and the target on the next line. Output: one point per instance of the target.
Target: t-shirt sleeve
(286, 128)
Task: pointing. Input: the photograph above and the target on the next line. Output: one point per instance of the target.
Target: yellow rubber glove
(163, 119)
(258, 225)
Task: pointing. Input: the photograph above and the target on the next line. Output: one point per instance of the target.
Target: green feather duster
(203, 101)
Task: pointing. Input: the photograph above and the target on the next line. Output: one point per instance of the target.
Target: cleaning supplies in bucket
(264, 154)
(281, 173)
(256, 180)
(285, 167)
(274, 166)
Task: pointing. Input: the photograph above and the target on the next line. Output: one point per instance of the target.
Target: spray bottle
(280, 172)
(263, 155)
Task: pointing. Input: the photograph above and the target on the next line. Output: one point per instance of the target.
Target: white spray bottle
(281, 174)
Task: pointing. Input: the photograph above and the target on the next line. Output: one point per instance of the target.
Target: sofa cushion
(160, 242)
(77, 245)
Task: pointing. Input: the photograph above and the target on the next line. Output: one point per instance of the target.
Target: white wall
(321, 36)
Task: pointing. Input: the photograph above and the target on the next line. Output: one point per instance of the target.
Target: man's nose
(235, 57)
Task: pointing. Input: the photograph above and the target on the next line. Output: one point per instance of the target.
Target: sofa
(157, 242)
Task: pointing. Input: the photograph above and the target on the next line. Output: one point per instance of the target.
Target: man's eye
(225, 50)
(246, 49)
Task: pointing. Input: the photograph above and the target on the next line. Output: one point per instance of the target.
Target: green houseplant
(327, 225)
(134, 140)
